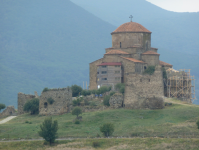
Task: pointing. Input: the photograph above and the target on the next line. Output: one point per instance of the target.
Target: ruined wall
(139, 88)
(116, 100)
(22, 99)
(151, 60)
(9, 111)
(62, 101)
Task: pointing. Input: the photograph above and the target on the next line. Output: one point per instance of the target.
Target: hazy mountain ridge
(50, 44)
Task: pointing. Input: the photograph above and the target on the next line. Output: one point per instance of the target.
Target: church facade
(131, 53)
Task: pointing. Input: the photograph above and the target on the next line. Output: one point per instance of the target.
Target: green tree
(150, 70)
(49, 130)
(77, 111)
(76, 90)
(197, 123)
(106, 100)
(32, 106)
(120, 87)
(107, 129)
(2, 106)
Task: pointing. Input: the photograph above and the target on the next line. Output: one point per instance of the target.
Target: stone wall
(116, 100)
(140, 87)
(62, 101)
(22, 99)
(151, 60)
(9, 111)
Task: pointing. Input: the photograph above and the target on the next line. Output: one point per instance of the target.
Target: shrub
(32, 106)
(107, 129)
(50, 100)
(45, 89)
(103, 90)
(120, 87)
(106, 100)
(150, 70)
(96, 144)
(26, 121)
(197, 124)
(49, 130)
(86, 92)
(112, 93)
(77, 122)
(77, 101)
(86, 102)
(76, 90)
(93, 104)
(77, 111)
(2, 106)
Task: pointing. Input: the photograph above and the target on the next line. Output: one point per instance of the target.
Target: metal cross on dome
(131, 17)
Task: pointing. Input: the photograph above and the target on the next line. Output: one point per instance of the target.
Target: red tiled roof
(110, 64)
(150, 53)
(164, 64)
(131, 27)
(116, 52)
(132, 59)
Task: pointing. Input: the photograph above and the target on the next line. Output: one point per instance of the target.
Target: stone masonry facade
(62, 101)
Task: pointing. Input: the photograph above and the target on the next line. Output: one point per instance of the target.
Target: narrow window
(45, 105)
(120, 44)
(104, 78)
(144, 67)
(97, 72)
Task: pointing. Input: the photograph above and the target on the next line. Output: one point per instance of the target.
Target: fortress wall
(62, 101)
(152, 60)
(141, 88)
(22, 99)
(9, 111)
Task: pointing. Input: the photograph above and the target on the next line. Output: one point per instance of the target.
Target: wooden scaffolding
(180, 84)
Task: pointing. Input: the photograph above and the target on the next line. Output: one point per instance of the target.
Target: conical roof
(131, 27)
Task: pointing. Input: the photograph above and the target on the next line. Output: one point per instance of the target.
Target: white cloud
(177, 5)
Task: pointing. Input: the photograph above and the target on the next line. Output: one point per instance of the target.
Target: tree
(76, 90)
(107, 129)
(150, 70)
(32, 106)
(120, 87)
(2, 106)
(77, 111)
(197, 124)
(49, 130)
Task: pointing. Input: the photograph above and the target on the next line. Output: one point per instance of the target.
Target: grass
(173, 121)
(111, 144)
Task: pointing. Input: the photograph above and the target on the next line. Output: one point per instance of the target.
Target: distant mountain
(174, 34)
(47, 44)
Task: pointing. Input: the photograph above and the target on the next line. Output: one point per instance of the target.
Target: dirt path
(7, 119)
(168, 100)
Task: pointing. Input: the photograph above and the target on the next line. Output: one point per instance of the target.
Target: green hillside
(175, 121)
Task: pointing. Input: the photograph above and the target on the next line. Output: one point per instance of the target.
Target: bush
(150, 70)
(112, 93)
(96, 144)
(93, 104)
(26, 121)
(197, 123)
(106, 100)
(45, 89)
(32, 106)
(2, 106)
(86, 92)
(86, 102)
(103, 90)
(77, 122)
(77, 111)
(120, 87)
(50, 100)
(107, 129)
(49, 130)
(76, 90)
(77, 101)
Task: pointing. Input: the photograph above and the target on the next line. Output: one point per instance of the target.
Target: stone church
(131, 53)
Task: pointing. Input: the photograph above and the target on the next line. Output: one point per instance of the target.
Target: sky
(177, 5)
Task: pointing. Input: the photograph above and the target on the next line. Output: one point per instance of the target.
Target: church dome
(131, 27)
